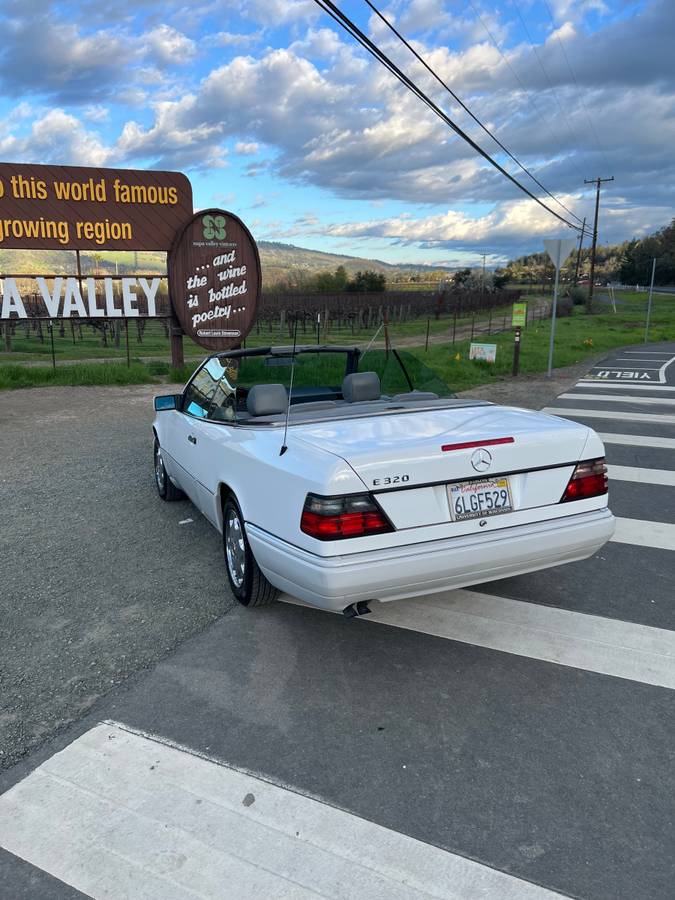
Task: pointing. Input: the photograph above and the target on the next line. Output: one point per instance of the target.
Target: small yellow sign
(519, 315)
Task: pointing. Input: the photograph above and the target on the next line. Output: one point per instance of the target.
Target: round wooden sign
(214, 279)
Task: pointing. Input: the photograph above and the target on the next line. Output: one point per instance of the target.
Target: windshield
(401, 371)
(312, 371)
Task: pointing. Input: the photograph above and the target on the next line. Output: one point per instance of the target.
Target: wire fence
(382, 320)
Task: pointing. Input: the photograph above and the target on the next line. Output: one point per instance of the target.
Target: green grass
(577, 338)
(17, 376)
(90, 345)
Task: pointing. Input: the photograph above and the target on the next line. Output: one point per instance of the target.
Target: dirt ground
(532, 391)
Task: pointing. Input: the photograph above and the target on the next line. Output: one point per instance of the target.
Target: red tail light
(589, 479)
(334, 518)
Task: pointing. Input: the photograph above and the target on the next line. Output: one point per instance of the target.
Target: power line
(466, 108)
(574, 78)
(545, 73)
(516, 75)
(346, 23)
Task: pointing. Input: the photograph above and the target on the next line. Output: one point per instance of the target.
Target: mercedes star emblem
(481, 460)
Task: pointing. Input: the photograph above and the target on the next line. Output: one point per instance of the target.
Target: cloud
(576, 10)
(364, 137)
(506, 228)
(168, 46)
(246, 149)
(324, 115)
(228, 39)
(66, 64)
(628, 52)
(72, 66)
(96, 112)
(279, 12)
(57, 137)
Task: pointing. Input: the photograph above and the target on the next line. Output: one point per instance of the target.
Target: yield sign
(559, 249)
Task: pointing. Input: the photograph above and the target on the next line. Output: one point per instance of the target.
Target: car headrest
(361, 386)
(267, 400)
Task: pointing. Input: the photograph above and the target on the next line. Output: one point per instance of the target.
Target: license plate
(477, 499)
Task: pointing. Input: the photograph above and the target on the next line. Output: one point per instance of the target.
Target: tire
(166, 489)
(247, 582)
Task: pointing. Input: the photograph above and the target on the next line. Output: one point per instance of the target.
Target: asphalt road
(532, 736)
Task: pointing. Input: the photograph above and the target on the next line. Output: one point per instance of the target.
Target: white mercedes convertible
(341, 478)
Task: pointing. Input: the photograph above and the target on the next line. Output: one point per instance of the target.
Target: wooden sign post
(518, 321)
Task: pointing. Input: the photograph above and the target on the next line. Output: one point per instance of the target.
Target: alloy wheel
(235, 548)
(160, 474)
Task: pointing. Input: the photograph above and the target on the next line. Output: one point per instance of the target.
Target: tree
(500, 279)
(460, 278)
(367, 282)
(331, 282)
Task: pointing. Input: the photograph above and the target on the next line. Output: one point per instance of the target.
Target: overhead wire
(515, 74)
(348, 25)
(576, 83)
(541, 66)
(487, 131)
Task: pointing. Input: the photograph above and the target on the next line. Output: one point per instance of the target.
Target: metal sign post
(649, 301)
(558, 250)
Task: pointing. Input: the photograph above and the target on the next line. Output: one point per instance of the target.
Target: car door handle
(192, 439)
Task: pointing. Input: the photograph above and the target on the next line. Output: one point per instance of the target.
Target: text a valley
(80, 297)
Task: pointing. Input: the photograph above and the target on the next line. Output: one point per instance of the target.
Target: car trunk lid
(407, 460)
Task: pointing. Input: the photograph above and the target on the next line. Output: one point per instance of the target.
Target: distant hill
(279, 261)
(275, 255)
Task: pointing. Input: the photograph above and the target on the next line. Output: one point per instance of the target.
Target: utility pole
(581, 240)
(597, 182)
(482, 284)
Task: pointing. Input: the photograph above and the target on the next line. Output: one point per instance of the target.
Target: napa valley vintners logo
(213, 228)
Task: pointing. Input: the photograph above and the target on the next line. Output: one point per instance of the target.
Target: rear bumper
(409, 571)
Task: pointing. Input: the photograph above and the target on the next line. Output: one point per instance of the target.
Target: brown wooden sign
(78, 208)
(214, 279)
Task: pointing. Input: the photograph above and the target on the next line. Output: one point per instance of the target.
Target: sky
(277, 115)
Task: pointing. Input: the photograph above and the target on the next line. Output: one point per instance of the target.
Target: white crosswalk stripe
(595, 644)
(623, 398)
(596, 383)
(659, 535)
(119, 814)
(637, 440)
(641, 475)
(653, 418)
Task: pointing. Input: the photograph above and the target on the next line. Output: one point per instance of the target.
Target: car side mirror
(167, 401)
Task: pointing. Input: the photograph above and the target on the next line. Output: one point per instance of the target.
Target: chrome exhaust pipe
(360, 608)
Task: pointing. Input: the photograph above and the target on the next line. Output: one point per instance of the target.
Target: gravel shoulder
(96, 580)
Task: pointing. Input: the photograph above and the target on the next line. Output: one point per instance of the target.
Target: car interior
(222, 392)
